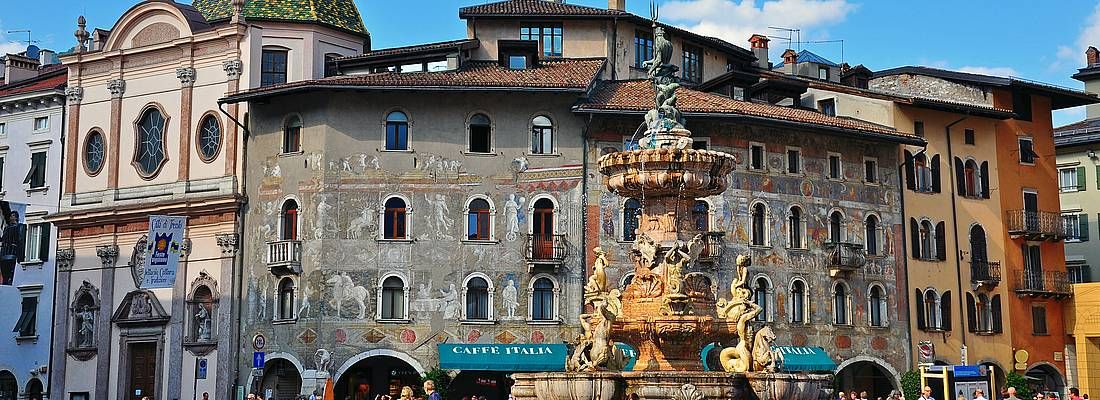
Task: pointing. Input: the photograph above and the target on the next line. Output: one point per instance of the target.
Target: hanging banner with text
(162, 256)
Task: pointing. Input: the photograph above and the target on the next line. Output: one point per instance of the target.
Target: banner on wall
(163, 252)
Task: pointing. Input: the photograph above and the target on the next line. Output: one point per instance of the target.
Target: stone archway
(282, 380)
(365, 376)
(875, 376)
(1045, 377)
(9, 388)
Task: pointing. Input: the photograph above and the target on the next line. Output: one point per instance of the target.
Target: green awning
(503, 357)
(806, 359)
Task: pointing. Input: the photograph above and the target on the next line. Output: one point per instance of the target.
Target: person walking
(1011, 394)
(926, 393)
(406, 393)
(429, 390)
(979, 394)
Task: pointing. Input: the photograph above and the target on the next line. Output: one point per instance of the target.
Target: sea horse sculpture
(740, 309)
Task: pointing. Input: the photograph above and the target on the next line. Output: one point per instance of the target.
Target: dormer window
(823, 73)
(548, 36)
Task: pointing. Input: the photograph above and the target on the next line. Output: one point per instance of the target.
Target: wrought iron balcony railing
(545, 249)
(284, 256)
(1043, 225)
(844, 257)
(712, 247)
(985, 273)
(1036, 282)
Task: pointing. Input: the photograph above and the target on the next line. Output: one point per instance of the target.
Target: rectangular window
(834, 166)
(823, 73)
(870, 170)
(517, 62)
(36, 176)
(794, 161)
(738, 93)
(1073, 226)
(38, 241)
(1078, 273)
(41, 124)
(1067, 179)
(1027, 151)
(968, 136)
(827, 107)
(692, 64)
(2, 174)
(3, 129)
(548, 35)
(918, 128)
(272, 67)
(1039, 319)
(643, 47)
(756, 157)
(28, 318)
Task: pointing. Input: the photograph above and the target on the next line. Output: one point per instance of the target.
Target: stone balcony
(284, 257)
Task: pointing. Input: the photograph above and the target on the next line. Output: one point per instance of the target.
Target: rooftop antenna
(794, 35)
(28, 32)
(841, 41)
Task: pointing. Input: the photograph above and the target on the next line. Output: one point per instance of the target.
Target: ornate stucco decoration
(186, 76)
(233, 68)
(84, 314)
(117, 87)
(137, 259)
(64, 258)
(108, 254)
(140, 307)
(74, 94)
(229, 242)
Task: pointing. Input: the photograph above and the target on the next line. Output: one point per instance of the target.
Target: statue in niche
(87, 327)
(510, 298)
(202, 323)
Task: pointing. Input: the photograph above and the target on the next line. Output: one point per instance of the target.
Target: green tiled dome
(340, 14)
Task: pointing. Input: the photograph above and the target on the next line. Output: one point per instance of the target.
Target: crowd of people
(1007, 393)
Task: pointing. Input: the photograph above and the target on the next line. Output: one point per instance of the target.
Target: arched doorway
(376, 375)
(866, 376)
(999, 377)
(34, 389)
(492, 385)
(282, 380)
(1045, 378)
(9, 389)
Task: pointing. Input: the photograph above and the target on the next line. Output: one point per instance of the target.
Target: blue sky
(1044, 41)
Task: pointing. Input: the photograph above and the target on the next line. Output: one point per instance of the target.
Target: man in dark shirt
(11, 247)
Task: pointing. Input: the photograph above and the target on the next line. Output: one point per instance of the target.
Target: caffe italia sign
(503, 357)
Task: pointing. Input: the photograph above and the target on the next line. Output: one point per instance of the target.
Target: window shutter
(1097, 177)
(920, 308)
(995, 304)
(941, 242)
(945, 310)
(44, 240)
(914, 237)
(935, 173)
(971, 313)
(960, 177)
(910, 178)
(1083, 221)
(985, 179)
(30, 174)
(1081, 178)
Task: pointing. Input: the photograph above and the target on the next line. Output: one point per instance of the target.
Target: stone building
(145, 136)
(1078, 173)
(32, 104)
(814, 200)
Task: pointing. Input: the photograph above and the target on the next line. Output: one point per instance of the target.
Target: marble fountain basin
(671, 385)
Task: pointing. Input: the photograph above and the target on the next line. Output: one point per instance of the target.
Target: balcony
(284, 257)
(712, 247)
(545, 251)
(985, 274)
(844, 258)
(1036, 225)
(1038, 283)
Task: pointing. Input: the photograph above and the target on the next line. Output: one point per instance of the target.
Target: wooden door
(1031, 211)
(543, 231)
(143, 370)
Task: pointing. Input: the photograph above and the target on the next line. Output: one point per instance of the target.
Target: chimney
(790, 58)
(19, 68)
(1092, 56)
(619, 5)
(759, 44)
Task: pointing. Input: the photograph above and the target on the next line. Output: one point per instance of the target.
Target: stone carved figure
(595, 350)
(644, 251)
(741, 310)
(511, 215)
(688, 392)
(664, 116)
(597, 283)
(87, 327)
(202, 323)
(322, 360)
(344, 289)
(139, 306)
(762, 355)
(510, 298)
(450, 302)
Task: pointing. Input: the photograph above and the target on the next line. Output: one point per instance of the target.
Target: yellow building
(1083, 328)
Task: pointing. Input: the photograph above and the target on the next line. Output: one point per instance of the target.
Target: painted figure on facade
(442, 221)
(202, 323)
(510, 298)
(511, 216)
(344, 289)
(87, 327)
(450, 302)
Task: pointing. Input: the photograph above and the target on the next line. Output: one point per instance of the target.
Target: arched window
(34, 389)
(760, 297)
(923, 173)
(985, 314)
(836, 230)
(979, 258)
(871, 235)
(9, 388)
(397, 131)
(759, 224)
(393, 298)
(795, 228)
(286, 299)
(632, 210)
(95, 148)
(288, 226)
(799, 310)
(971, 179)
(877, 306)
(542, 135)
(477, 299)
(292, 135)
(481, 138)
(542, 229)
(542, 299)
(209, 138)
(926, 240)
(479, 220)
(394, 219)
(931, 309)
(149, 155)
(841, 301)
(700, 213)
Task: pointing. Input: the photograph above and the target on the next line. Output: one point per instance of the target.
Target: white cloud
(736, 20)
(8, 47)
(993, 71)
(1074, 55)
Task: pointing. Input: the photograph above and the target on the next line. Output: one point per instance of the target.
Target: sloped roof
(54, 78)
(810, 57)
(1061, 97)
(414, 49)
(637, 96)
(567, 75)
(340, 14)
(1078, 133)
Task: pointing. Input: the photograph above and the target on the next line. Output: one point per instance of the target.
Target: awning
(503, 357)
(806, 359)
(630, 353)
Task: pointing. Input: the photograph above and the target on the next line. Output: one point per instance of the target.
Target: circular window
(210, 138)
(150, 142)
(94, 152)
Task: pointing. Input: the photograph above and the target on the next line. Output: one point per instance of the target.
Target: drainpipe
(904, 237)
(955, 232)
(614, 51)
(584, 204)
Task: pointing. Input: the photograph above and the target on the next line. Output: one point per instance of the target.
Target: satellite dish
(32, 51)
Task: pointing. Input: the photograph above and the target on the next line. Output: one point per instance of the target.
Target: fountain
(658, 313)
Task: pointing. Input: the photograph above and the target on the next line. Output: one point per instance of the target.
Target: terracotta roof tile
(534, 8)
(637, 95)
(567, 75)
(54, 79)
